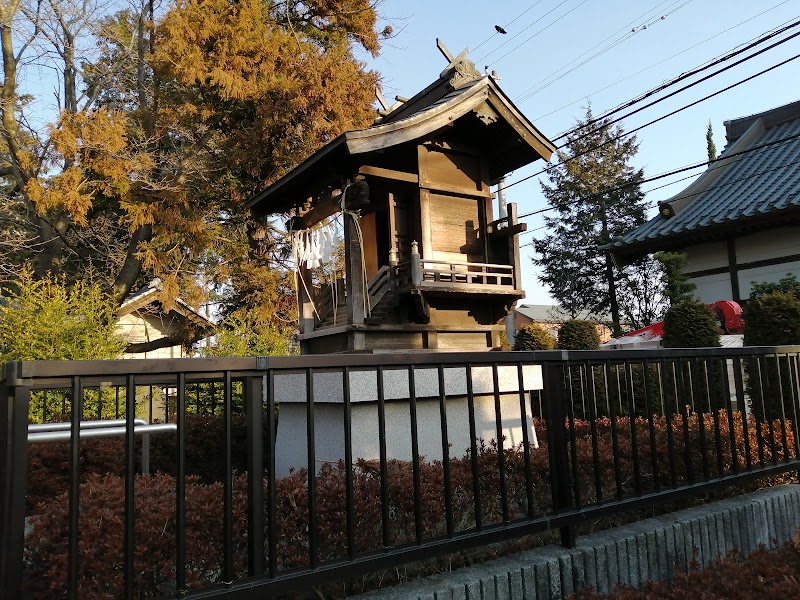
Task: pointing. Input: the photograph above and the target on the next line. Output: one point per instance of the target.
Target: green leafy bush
(47, 319)
(788, 285)
(690, 324)
(770, 319)
(578, 334)
(533, 337)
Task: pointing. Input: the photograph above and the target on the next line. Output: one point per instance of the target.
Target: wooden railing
(324, 301)
(467, 273)
(379, 285)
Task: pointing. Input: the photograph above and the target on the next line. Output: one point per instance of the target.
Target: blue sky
(545, 37)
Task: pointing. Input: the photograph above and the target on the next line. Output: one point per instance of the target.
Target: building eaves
(747, 192)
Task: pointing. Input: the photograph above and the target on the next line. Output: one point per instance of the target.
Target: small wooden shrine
(427, 266)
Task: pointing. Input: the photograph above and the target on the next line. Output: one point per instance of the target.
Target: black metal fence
(288, 472)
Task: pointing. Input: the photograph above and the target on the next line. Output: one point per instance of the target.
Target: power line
(689, 74)
(691, 195)
(661, 118)
(531, 7)
(516, 35)
(708, 39)
(628, 34)
(543, 29)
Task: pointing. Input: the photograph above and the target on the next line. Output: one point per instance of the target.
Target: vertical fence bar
(526, 452)
(782, 404)
(738, 382)
(180, 489)
(313, 546)
(412, 393)
(557, 446)
(254, 390)
(130, 471)
(14, 407)
(448, 492)
(648, 402)
(629, 386)
(591, 392)
(712, 391)
(573, 444)
(227, 523)
(501, 459)
(668, 421)
(726, 383)
(150, 404)
(612, 417)
(473, 443)
(272, 501)
(197, 387)
(383, 459)
(759, 414)
(697, 380)
(685, 410)
(74, 487)
(347, 415)
(794, 382)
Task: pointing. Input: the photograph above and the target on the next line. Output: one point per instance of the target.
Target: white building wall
(768, 274)
(765, 245)
(711, 288)
(703, 257)
(290, 393)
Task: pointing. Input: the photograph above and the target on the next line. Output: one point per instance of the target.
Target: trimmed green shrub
(533, 337)
(770, 319)
(578, 334)
(699, 384)
(788, 284)
(690, 324)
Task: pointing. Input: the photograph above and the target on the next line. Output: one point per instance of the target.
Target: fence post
(14, 403)
(255, 398)
(557, 445)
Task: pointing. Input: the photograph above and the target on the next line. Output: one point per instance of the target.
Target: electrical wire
(653, 121)
(654, 65)
(691, 195)
(542, 30)
(531, 7)
(628, 34)
(521, 31)
(687, 75)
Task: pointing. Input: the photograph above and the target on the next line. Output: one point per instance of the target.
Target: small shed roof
(435, 108)
(150, 295)
(754, 190)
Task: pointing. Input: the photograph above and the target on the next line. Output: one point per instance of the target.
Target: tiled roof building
(739, 222)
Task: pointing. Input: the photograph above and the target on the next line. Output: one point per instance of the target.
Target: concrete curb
(653, 549)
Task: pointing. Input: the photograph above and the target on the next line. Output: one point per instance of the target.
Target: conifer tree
(596, 194)
(710, 145)
(162, 133)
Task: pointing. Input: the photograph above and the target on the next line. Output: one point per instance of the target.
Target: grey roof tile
(763, 182)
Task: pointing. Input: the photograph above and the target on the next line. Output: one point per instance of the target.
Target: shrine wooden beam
(493, 232)
(388, 174)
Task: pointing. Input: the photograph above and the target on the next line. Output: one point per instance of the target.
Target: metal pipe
(57, 436)
(63, 426)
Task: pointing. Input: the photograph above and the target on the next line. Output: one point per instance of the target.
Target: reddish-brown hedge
(759, 575)
(49, 465)
(102, 498)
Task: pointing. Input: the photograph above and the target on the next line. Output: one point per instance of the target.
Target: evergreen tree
(596, 195)
(712, 148)
(677, 286)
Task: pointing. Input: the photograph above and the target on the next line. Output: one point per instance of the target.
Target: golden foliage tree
(165, 128)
